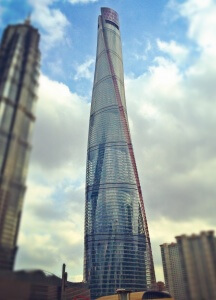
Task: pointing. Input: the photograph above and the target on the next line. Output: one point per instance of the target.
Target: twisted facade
(117, 245)
(19, 65)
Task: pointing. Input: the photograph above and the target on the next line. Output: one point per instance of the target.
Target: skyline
(166, 70)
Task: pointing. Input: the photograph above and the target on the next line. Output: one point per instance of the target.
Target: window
(112, 23)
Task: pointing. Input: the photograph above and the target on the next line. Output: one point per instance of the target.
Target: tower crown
(110, 15)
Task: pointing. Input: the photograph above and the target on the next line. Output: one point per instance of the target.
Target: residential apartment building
(190, 266)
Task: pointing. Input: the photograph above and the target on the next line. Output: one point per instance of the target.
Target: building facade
(190, 266)
(117, 244)
(19, 70)
(173, 273)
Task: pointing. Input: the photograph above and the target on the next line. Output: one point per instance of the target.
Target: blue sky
(75, 42)
(168, 50)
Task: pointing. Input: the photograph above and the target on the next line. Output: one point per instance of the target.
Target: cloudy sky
(169, 51)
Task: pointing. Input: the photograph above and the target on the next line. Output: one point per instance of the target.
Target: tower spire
(28, 19)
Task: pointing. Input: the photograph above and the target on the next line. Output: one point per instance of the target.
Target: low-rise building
(40, 285)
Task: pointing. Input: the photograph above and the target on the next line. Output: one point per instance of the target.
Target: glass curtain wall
(117, 244)
(19, 71)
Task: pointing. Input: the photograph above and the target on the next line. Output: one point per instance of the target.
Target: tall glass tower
(117, 245)
(19, 70)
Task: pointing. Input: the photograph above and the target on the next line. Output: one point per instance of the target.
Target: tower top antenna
(28, 19)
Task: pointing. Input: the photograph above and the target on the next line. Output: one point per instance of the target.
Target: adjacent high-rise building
(173, 272)
(19, 70)
(117, 244)
(190, 266)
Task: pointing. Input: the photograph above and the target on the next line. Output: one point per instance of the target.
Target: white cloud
(56, 67)
(202, 21)
(140, 56)
(85, 70)
(51, 20)
(144, 54)
(173, 129)
(177, 52)
(52, 227)
(60, 138)
(53, 216)
(77, 278)
(165, 75)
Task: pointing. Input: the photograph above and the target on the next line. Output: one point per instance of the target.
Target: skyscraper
(19, 70)
(117, 245)
(190, 266)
